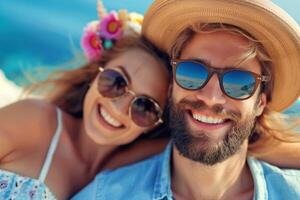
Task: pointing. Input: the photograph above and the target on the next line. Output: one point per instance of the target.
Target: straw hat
(272, 26)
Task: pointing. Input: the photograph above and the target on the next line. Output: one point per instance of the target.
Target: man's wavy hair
(271, 127)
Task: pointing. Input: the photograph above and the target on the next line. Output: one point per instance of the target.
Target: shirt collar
(260, 186)
(162, 185)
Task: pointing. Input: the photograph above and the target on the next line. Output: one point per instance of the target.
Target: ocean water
(44, 35)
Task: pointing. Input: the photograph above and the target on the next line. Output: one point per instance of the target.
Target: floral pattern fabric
(16, 187)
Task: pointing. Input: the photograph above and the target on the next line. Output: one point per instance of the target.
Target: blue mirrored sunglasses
(235, 83)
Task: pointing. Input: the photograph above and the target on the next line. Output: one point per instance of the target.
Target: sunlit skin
(190, 179)
(146, 77)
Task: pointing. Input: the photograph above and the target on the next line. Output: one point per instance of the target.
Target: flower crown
(100, 35)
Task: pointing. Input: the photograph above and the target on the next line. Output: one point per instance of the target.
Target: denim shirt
(150, 180)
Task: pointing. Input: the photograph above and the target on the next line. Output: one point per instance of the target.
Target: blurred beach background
(38, 37)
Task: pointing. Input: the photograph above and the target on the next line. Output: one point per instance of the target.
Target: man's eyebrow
(208, 63)
(201, 60)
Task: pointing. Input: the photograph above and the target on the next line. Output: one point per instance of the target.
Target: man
(236, 63)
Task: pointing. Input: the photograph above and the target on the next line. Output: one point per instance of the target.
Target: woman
(51, 148)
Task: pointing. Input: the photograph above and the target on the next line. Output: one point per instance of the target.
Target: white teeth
(208, 120)
(109, 119)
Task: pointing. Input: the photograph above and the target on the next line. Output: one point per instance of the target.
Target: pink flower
(111, 27)
(91, 43)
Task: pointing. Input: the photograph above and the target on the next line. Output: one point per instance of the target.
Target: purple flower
(32, 193)
(91, 43)
(111, 27)
(3, 184)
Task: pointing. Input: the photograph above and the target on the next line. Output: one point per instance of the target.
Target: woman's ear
(261, 104)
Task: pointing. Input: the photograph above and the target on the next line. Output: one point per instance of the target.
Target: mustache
(216, 109)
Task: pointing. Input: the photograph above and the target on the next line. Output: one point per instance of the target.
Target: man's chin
(208, 138)
(203, 151)
(210, 145)
(207, 148)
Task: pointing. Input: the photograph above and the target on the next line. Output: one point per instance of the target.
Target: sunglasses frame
(135, 96)
(220, 73)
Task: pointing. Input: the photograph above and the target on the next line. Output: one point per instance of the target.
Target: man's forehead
(217, 49)
(223, 36)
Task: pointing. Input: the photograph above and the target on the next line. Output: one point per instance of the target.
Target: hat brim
(272, 26)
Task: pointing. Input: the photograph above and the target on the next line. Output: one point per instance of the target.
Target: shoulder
(278, 182)
(146, 168)
(274, 171)
(23, 123)
(135, 181)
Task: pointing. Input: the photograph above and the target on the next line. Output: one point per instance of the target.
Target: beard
(201, 148)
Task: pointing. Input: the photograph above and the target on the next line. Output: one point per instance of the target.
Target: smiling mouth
(208, 120)
(108, 119)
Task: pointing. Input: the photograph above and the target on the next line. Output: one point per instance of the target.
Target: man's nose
(211, 93)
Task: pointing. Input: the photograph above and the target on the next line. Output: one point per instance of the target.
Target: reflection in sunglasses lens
(191, 75)
(144, 112)
(238, 84)
(111, 83)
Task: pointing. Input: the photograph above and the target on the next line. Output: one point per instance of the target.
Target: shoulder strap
(52, 148)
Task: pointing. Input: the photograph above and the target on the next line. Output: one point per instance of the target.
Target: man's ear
(261, 104)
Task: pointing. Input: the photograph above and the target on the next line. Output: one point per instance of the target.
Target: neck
(194, 180)
(94, 156)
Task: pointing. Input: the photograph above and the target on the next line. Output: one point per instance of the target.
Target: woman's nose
(122, 103)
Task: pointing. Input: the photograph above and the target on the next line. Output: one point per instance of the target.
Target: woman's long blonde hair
(271, 127)
(67, 89)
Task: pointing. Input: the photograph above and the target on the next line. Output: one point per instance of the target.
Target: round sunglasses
(143, 110)
(235, 83)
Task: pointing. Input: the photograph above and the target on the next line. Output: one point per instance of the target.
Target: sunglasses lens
(190, 75)
(144, 112)
(239, 84)
(111, 83)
